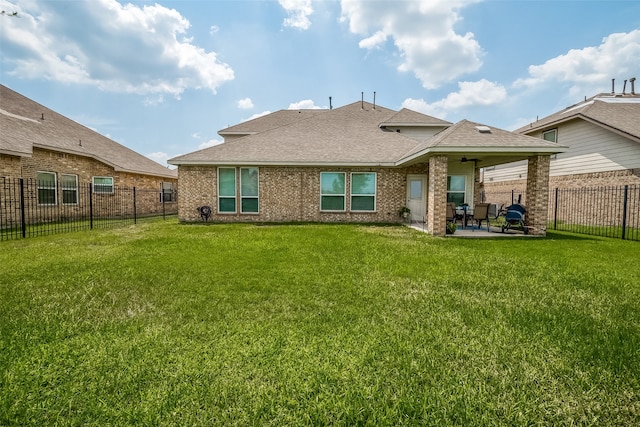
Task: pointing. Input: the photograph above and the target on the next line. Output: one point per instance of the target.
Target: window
(103, 184)
(456, 189)
(166, 195)
(47, 194)
(249, 190)
(332, 191)
(227, 190)
(363, 191)
(69, 189)
(550, 135)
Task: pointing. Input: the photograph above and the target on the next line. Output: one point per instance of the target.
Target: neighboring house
(603, 136)
(357, 163)
(61, 156)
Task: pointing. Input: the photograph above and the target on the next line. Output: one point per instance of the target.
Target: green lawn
(170, 324)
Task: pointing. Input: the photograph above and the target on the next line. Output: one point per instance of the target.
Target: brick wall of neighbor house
(500, 192)
(292, 194)
(85, 168)
(9, 166)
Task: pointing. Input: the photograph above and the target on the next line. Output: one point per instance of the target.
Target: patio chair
(481, 213)
(451, 212)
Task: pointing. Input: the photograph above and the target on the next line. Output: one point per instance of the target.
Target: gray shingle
(25, 124)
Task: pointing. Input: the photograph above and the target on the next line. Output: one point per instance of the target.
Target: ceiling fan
(465, 160)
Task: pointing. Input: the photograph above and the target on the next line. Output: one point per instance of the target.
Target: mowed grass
(171, 324)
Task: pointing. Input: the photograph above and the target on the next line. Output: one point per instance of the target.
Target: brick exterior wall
(292, 194)
(537, 194)
(14, 167)
(10, 166)
(437, 196)
(585, 180)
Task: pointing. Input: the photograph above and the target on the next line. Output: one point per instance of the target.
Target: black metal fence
(31, 208)
(601, 211)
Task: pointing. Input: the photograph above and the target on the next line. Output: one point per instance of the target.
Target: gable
(26, 124)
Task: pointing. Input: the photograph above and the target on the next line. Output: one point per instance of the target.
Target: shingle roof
(345, 135)
(618, 113)
(470, 137)
(25, 124)
(410, 117)
(351, 135)
(270, 121)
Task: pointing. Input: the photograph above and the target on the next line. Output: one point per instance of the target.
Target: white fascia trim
(484, 150)
(278, 164)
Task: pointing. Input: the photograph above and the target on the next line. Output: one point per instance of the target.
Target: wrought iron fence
(31, 208)
(612, 211)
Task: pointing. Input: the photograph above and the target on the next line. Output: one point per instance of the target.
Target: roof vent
(483, 129)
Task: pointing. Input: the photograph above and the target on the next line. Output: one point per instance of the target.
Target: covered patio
(455, 158)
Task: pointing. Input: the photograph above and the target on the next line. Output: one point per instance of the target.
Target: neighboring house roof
(353, 136)
(618, 113)
(25, 124)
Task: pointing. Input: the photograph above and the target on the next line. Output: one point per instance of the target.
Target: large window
(332, 191)
(456, 185)
(363, 191)
(47, 194)
(249, 190)
(103, 184)
(69, 189)
(227, 190)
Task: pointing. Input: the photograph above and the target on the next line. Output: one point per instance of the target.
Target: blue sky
(162, 77)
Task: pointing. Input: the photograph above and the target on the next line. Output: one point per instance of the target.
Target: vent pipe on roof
(624, 87)
(374, 100)
(42, 117)
(362, 100)
(613, 86)
(330, 106)
(633, 86)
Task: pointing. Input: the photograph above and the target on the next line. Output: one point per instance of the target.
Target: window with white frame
(456, 189)
(249, 190)
(332, 191)
(47, 188)
(363, 191)
(550, 135)
(227, 190)
(69, 185)
(167, 192)
(103, 184)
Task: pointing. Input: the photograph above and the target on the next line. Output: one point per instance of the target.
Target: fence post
(512, 195)
(624, 211)
(135, 218)
(90, 206)
(23, 222)
(162, 197)
(555, 212)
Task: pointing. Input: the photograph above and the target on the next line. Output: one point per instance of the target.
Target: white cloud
(306, 104)
(255, 116)
(245, 104)
(159, 157)
(422, 31)
(210, 143)
(298, 12)
(587, 70)
(471, 94)
(142, 50)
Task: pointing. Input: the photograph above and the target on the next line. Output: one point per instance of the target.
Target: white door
(417, 196)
